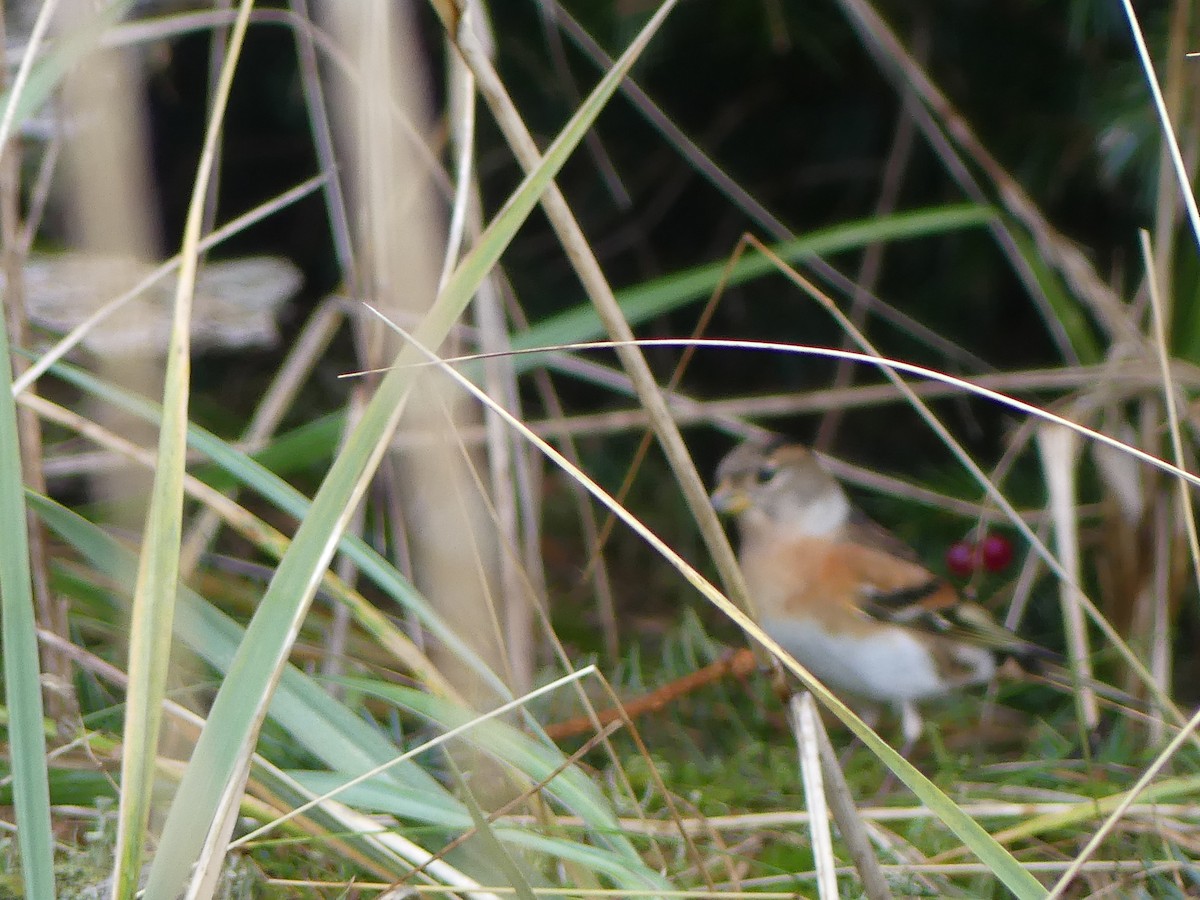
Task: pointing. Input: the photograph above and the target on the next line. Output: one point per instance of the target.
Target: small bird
(843, 595)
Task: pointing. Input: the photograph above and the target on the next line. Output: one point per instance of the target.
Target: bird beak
(730, 500)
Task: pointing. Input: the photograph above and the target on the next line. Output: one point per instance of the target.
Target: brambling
(843, 595)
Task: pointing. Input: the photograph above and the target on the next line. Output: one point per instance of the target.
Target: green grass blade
(485, 843)
(18, 629)
(662, 295)
(241, 702)
(1072, 315)
(151, 619)
(320, 724)
(316, 722)
(22, 680)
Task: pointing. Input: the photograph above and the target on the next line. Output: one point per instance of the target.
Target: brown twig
(737, 662)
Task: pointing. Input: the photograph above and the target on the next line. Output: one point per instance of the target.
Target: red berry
(997, 552)
(962, 558)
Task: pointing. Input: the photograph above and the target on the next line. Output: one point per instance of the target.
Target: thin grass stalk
(871, 265)
(728, 414)
(528, 488)
(462, 140)
(963, 385)
(849, 819)
(1161, 625)
(1160, 310)
(502, 460)
(529, 477)
(158, 570)
(1022, 592)
(179, 24)
(588, 269)
(1143, 782)
(217, 46)
(1170, 142)
(322, 132)
(804, 724)
(392, 534)
(1161, 631)
(697, 825)
(1073, 265)
(548, 11)
(334, 663)
(1059, 449)
(597, 573)
(1175, 93)
(39, 193)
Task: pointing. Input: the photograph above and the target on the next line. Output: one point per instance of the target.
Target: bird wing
(901, 592)
(892, 580)
(891, 588)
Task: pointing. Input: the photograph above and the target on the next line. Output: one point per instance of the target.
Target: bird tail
(974, 623)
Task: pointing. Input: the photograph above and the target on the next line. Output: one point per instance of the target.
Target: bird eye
(764, 473)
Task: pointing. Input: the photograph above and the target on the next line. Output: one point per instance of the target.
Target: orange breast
(802, 578)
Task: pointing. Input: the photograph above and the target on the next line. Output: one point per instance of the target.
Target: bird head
(782, 486)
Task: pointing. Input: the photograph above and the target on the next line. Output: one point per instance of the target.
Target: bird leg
(911, 726)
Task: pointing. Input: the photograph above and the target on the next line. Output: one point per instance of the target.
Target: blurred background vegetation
(787, 103)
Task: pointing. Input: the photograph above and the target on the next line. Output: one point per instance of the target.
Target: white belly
(889, 665)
